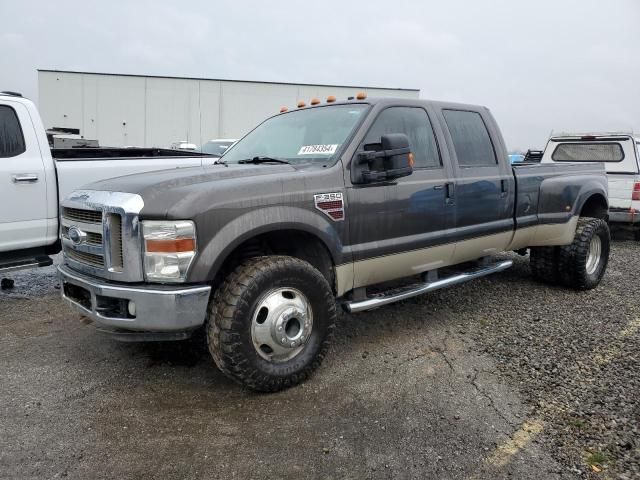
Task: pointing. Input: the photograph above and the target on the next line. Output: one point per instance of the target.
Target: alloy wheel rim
(595, 252)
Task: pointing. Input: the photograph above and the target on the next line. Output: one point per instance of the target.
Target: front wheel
(583, 263)
(270, 322)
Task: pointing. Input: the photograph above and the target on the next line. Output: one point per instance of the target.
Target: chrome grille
(84, 216)
(86, 258)
(115, 237)
(93, 238)
(108, 244)
(90, 251)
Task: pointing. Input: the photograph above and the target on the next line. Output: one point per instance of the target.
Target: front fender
(259, 221)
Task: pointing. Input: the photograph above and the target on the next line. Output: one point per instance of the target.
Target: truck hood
(183, 192)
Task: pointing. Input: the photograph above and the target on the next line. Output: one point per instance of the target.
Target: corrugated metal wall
(120, 110)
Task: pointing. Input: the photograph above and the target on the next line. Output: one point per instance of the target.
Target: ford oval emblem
(76, 235)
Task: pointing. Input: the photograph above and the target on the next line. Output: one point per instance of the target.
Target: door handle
(450, 193)
(451, 189)
(24, 178)
(503, 188)
(438, 187)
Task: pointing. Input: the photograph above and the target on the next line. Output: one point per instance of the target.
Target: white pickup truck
(620, 154)
(33, 178)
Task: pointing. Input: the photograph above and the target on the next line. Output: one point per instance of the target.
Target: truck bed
(114, 153)
(532, 179)
(80, 166)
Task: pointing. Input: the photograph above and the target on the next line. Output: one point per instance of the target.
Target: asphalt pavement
(440, 386)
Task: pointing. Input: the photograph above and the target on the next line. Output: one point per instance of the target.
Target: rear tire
(270, 322)
(583, 263)
(543, 262)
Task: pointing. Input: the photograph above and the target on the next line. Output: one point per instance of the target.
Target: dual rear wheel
(580, 265)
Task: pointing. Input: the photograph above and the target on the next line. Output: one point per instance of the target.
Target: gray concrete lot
(455, 384)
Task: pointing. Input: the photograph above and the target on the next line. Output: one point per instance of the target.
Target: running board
(419, 289)
(41, 261)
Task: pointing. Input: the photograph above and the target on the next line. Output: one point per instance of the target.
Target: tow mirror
(387, 160)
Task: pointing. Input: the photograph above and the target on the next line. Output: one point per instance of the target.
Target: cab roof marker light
(301, 104)
(315, 101)
(283, 109)
(331, 99)
(361, 96)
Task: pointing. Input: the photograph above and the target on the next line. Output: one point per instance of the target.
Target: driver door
(401, 228)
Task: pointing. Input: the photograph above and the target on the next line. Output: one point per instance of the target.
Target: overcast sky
(538, 65)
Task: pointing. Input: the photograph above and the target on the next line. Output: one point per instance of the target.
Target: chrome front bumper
(158, 308)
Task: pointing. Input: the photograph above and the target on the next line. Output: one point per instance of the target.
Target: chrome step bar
(419, 289)
(22, 264)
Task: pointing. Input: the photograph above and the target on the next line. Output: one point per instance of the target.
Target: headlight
(169, 249)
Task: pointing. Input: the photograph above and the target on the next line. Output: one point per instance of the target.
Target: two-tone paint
(433, 218)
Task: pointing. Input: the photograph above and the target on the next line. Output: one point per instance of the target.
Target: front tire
(583, 263)
(270, 322)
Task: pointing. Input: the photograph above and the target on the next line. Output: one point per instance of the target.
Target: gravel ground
(499, 378)
(575, 357)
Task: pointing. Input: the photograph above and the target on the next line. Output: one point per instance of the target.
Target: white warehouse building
(151, 111)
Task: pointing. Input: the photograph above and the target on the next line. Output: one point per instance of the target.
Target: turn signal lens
(636, 191)
(331, 99)
(171, 246)
(411, 159)
(315, 101)
(361, 96)
(301, 104)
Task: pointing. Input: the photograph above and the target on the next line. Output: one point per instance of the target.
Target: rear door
(23, 188)
(484, 183)
(400, 228)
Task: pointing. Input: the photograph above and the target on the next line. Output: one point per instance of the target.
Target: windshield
(215, 147)
(301, 136)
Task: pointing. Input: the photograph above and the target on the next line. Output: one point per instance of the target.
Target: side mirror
(387, 160)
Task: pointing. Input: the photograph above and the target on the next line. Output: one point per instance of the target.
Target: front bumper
(158, 308)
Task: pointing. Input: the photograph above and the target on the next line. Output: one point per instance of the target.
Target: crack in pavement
(490, 399)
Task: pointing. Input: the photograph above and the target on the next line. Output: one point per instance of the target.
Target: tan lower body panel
(546, 235)
(390, 267)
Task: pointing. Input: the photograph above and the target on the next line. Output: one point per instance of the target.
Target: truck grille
(92, 251)
(115, 229)
(83, 216)
(86, 258)
(101, 234)
(92, 237)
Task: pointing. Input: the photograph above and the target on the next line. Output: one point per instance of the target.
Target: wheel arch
(595, 205)
(301, 234)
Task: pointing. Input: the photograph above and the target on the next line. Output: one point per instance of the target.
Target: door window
(415, 124)
(471, 139)
(11, 139)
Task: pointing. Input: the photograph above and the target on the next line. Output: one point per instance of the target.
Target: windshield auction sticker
(318, 149)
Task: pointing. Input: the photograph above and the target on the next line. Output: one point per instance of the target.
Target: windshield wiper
(257, 160)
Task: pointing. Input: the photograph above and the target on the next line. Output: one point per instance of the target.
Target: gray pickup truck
(358, 203)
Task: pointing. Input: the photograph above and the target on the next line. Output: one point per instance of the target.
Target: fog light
(131, 306)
